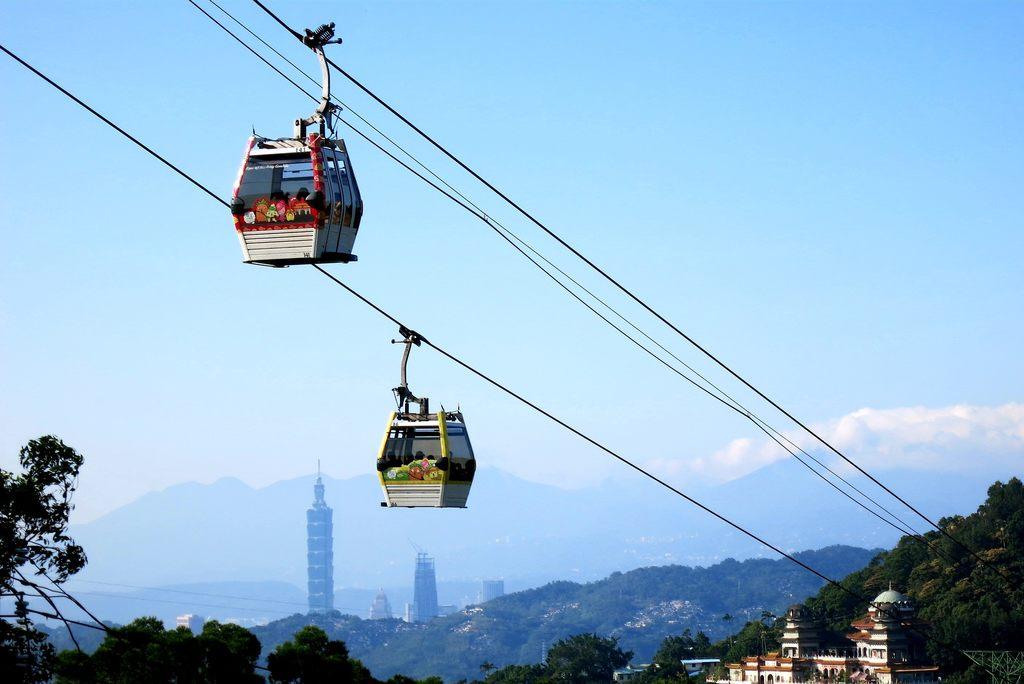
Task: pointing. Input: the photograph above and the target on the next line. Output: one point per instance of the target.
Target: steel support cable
(104, 628)
(760, 423)
(43, 595)
(64, 593)
(193, 593)
(902, 526)
(113, 125)
(752, 535)
(183, 602)
(59, 592)
(738, 409)
(189, 178)
(631, 295)
(622, 459)
(484, 217)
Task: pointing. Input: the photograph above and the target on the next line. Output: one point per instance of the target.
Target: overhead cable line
(150, 599)
(63, 619)
(503, 388)
(901, 525)
(48, 595)
(191, 593)
(113, 125)
(627, 291)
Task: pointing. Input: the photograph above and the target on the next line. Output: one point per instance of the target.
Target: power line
(150, 599)
(191, 593)
(625, 290)
(535, 407)
(113, 125)
(903, 527)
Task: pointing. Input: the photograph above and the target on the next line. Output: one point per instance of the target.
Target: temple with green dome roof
(885, 646)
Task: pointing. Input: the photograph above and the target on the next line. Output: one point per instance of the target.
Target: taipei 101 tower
(320, 550)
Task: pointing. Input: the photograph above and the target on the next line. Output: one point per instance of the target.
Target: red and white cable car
(296, 200)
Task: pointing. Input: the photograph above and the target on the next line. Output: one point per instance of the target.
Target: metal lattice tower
(1006, 667)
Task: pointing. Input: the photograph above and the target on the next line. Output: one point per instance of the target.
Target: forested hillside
(971, 600)
(639, 607)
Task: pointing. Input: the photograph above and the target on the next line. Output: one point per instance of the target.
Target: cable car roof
(284, 145)
(428, 421)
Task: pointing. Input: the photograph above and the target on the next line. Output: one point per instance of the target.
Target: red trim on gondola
(315, 142)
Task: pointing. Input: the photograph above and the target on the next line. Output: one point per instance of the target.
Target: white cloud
(952, 438)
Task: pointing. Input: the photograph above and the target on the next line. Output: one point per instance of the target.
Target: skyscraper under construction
(320, 550)
(424, 597)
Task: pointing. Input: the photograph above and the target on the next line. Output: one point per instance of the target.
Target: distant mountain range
(639, 607)
(527, 533)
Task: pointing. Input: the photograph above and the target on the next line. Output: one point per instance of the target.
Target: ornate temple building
(881, 647)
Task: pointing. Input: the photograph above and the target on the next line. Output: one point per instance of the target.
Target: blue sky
(826, 194)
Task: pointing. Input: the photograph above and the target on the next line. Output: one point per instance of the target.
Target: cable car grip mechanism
(403, 396)
(316, 40)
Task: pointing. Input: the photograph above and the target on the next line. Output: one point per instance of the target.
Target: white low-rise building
(193, 622)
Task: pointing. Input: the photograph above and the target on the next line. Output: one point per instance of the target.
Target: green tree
(73, 667)
(136, 652)
(144, 651)
(519, 674)
(666, 666)
(753, 639)
(585, 658)
(36, 553)
(311, 657)
(230, 652)
(701, 646)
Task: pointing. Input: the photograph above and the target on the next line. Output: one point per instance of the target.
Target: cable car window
(274, 190)
(460, 452)
(411, 455)
(351, 203)
(296, 176)
(411, 443)
(330, 191)
(341, 198)
(357, 200)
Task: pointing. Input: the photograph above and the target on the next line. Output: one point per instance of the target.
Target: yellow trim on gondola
(445, 453)
(384, 444)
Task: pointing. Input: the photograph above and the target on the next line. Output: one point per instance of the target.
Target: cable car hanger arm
(316, 40)
(403, 396)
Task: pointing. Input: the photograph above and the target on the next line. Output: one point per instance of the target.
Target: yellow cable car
(425, 459)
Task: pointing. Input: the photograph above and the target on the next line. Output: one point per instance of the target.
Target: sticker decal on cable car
(267, 210)
(298, 210)
(415, 472)
(262, 208)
